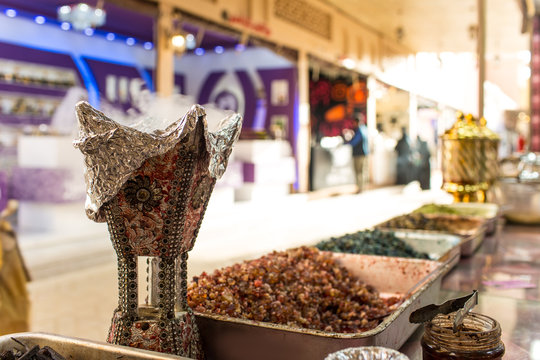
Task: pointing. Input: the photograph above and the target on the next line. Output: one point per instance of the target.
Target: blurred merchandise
(469, 159)
(14, 300)
(48, 182)
(383, 159)
(268, 169)
(521, 192)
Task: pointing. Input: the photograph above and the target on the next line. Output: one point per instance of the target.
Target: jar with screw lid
(479, 337)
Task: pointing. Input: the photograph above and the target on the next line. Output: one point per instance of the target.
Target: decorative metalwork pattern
(155, 212)
(306, 16)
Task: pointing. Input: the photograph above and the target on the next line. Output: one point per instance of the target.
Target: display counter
(506, 272)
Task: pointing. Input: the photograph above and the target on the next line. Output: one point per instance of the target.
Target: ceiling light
(10, 13)
(65, 26)
(148, 45)
(240, 47)
(110, 36)
(219, 49)
(199, 51)
(89, 31)
(348, 63)
(82, 16)
(179, 42)
(39, 20)
(130, 41)
(191, 43)
(66, 9)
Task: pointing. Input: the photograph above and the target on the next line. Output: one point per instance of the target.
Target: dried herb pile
(417, 221)
(302, 287)
(369, 242)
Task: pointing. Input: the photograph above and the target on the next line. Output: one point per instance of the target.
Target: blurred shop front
(338, 97)
(46, 66)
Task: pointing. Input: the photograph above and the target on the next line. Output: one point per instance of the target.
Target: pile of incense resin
(302, 287)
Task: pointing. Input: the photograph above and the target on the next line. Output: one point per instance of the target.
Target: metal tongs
(460, 305)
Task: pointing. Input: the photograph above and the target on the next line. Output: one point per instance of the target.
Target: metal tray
(79, 349)
(440, 247)
(490, 213)
(470, 240)
(226, 338)
(468, 243)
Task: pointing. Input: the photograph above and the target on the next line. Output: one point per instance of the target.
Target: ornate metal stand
(152, 190)
(469, 159)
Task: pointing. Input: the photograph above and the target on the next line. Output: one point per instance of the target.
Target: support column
(164, 51)
(535, 85)
(304, 132)
(371, 106)
(481, 49)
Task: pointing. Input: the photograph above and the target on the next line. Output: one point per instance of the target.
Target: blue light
(240, 47)
(148, 45)
(110, 36)
(11, 13)
(199, 51)
(39, 20)
(65, 26)
(219, 49)
(130, 41)
(89, 31)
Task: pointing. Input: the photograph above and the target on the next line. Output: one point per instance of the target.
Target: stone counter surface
(506, 271)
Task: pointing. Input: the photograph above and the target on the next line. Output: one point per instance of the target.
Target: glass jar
(479, 338)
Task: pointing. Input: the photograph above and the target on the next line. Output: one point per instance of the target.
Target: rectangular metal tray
(79, 349)
(440, 247)
(226, 338)
(491, 213)
(470, 240)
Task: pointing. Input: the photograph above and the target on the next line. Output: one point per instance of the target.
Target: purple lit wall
(252, 109)
(208, 86)
(288, 110)
(179, 80)
(103, 69)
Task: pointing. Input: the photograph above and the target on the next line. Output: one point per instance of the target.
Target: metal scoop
(460, 305)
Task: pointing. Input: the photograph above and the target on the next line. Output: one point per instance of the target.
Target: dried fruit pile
(373, 243)
(302, 287)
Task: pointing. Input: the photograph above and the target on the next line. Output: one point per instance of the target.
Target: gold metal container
(469, 159)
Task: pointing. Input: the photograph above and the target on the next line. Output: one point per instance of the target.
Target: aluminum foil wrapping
(367, 353)
(113, 151)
